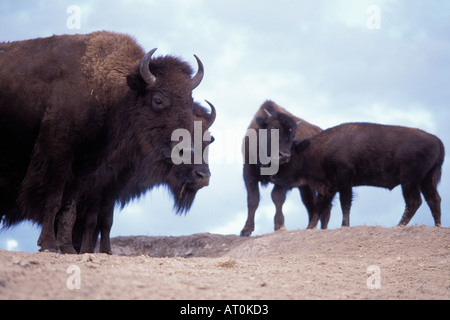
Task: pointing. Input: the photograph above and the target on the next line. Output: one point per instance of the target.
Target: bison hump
(108, 60)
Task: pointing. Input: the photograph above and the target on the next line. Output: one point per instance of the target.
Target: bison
(72, 104)
(271, 116)
(366, 154)
(98, 197)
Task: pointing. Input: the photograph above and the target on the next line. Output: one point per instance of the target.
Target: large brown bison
(98, 197)
(271, 116)
(72, 104)
(365, 154)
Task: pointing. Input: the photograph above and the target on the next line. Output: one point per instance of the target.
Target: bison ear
(300, 146)
(136, 83)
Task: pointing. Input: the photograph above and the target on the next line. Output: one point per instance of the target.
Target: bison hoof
(48, 250)
(282, 228)
(47, 247)
(246, 234)
(67, 250)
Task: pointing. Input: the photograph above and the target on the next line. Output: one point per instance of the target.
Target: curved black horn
(269, 115)
(197, 79)
(144, 68)
(212, 115)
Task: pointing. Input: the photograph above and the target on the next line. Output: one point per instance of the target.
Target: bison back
(381, 155)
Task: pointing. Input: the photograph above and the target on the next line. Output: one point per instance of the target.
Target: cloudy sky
(327, 61)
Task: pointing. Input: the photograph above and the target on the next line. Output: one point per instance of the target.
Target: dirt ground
(347, 263)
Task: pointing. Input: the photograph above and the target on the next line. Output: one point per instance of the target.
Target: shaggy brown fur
(290, 127)
(79, 103)
(96, 207)
(366, 154)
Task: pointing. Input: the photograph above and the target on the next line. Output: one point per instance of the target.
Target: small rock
(22, 263)
(230, 263)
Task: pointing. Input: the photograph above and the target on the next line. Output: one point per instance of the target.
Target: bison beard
(184, 198)
(75, 99)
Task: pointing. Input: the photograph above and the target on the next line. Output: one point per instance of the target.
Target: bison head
(184, 180)
(163, 92)
(290, 174)
(286, 126)
(165, 81)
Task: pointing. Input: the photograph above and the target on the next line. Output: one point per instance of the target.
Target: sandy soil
(396, 263)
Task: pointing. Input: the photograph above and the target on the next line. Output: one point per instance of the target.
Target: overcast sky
(327, 61)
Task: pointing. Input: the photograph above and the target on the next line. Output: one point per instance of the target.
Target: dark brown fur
(97, 201)
(364, 154)
(286, 123)
(80, 103)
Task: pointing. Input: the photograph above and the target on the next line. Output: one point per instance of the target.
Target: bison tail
(437, 169)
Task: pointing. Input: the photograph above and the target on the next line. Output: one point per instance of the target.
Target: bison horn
(269, 115)
(148, 77)
(197, 79)
(212, 115)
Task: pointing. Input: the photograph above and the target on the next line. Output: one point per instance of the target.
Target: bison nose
(202, 176)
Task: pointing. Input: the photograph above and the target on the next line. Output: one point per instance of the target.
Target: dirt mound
(346, 263)
(197, 245)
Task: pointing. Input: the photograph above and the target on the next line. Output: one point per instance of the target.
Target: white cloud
(11, 244)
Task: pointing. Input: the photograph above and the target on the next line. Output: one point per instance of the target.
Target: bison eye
(160, 101)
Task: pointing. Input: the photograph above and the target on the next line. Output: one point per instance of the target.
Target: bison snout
(202, 174)
(202, 177)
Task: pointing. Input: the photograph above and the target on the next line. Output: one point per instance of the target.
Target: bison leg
(278, 198)
(105, 229)
(47, 239)
(323, 206)
(308, 199)
(413, 201)
(90, 222)
(49, 171)
(346, 196)
(66, 221)
(429, 190)
(325, 217)
(252, 202)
